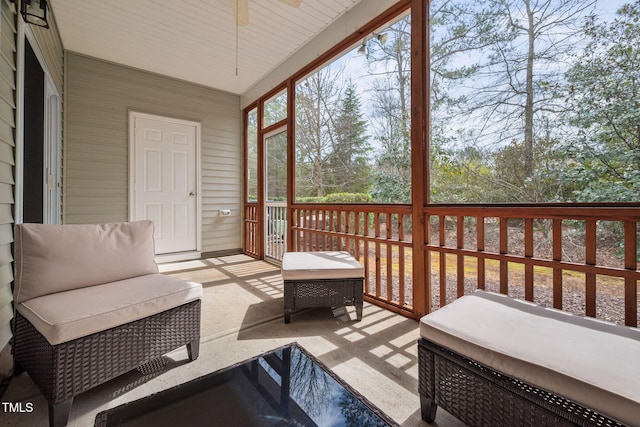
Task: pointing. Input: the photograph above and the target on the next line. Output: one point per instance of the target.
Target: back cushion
(55, 258)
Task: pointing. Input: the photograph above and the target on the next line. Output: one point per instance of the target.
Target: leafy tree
(604, 98)
(276, 167)
(252, 155)
(509, 180)
(524, 62)
(331, 137)
(458, 31)
(348, 162)
(458, 176)
(275, 109)
(504, 94)
(317, 101)
(391, 61)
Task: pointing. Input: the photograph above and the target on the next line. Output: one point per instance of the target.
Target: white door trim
(133, 115)
(52, 173)
(52, 131)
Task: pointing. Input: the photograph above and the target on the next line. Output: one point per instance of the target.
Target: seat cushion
(591, 362)
(57, 258)
(65, 316)
(320, 265)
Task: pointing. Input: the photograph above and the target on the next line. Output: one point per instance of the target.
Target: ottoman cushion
(320, 265)
(591, 362)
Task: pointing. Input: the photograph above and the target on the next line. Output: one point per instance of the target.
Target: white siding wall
(7, 150)
(7, 162)
(98, 97)
(49, 43)
(50, 46)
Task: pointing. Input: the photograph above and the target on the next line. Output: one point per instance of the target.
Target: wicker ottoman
(321, 279)
(492, 360)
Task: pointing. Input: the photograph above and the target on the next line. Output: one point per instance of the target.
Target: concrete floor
(242, 317)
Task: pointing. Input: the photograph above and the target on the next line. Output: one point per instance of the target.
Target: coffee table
(284, 387)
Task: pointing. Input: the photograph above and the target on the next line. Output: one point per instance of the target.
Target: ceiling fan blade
(294, 3)
(240, 9)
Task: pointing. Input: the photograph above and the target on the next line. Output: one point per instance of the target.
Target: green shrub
(310, 199)
(347, 198)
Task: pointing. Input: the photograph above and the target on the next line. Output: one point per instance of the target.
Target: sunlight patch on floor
(249, 269)
(404, 341)
(183, 265)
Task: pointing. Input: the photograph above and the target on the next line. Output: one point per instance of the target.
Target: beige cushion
(65, 316)
(56, 258)
(591, 362)
(320, 265)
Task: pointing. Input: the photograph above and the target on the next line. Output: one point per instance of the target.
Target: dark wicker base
(480, 396)
(322, 293)
(65, 370)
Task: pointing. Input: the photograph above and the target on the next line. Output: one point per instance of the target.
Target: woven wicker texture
(480, 396)
(65, 370)
(322, 293)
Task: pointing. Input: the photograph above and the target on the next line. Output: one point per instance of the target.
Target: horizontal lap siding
(50, 47)
(7, 163)
(98, 98)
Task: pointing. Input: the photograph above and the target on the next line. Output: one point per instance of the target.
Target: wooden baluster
(443, 260)
(356, 232)
(365, 231)
(557, 256)
(389, 238)
(528, 253)
(480, 246)
(504, 250)
(331, 226)
(300, 231)
(590, 259)
(460, 257)
(347, 231)
(376, 223)
(429, 305)
(630, 263)
(401, 291)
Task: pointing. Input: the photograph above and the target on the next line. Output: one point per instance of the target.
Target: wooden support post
(420, 131)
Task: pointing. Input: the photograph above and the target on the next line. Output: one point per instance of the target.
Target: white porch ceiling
(194, 40)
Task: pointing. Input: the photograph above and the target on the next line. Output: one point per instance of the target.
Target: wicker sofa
(91, 305)
(492, 360)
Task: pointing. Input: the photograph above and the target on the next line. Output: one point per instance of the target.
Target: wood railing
(578, 258)
(553, 255)
(276, 230)
(251, 239)
(377, 235)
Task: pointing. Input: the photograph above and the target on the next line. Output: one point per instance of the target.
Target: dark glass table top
(285, 387)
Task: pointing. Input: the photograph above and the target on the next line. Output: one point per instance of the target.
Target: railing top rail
(361, 207)
(603, 212)
(557, 204)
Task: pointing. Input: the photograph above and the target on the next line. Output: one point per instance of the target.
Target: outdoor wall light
(34, 12)
(382, 38)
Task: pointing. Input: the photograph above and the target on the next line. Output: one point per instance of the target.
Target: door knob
(192, 193)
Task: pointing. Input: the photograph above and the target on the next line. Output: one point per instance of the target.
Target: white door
(165, 179)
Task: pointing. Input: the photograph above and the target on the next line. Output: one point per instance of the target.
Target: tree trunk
(528, 107)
